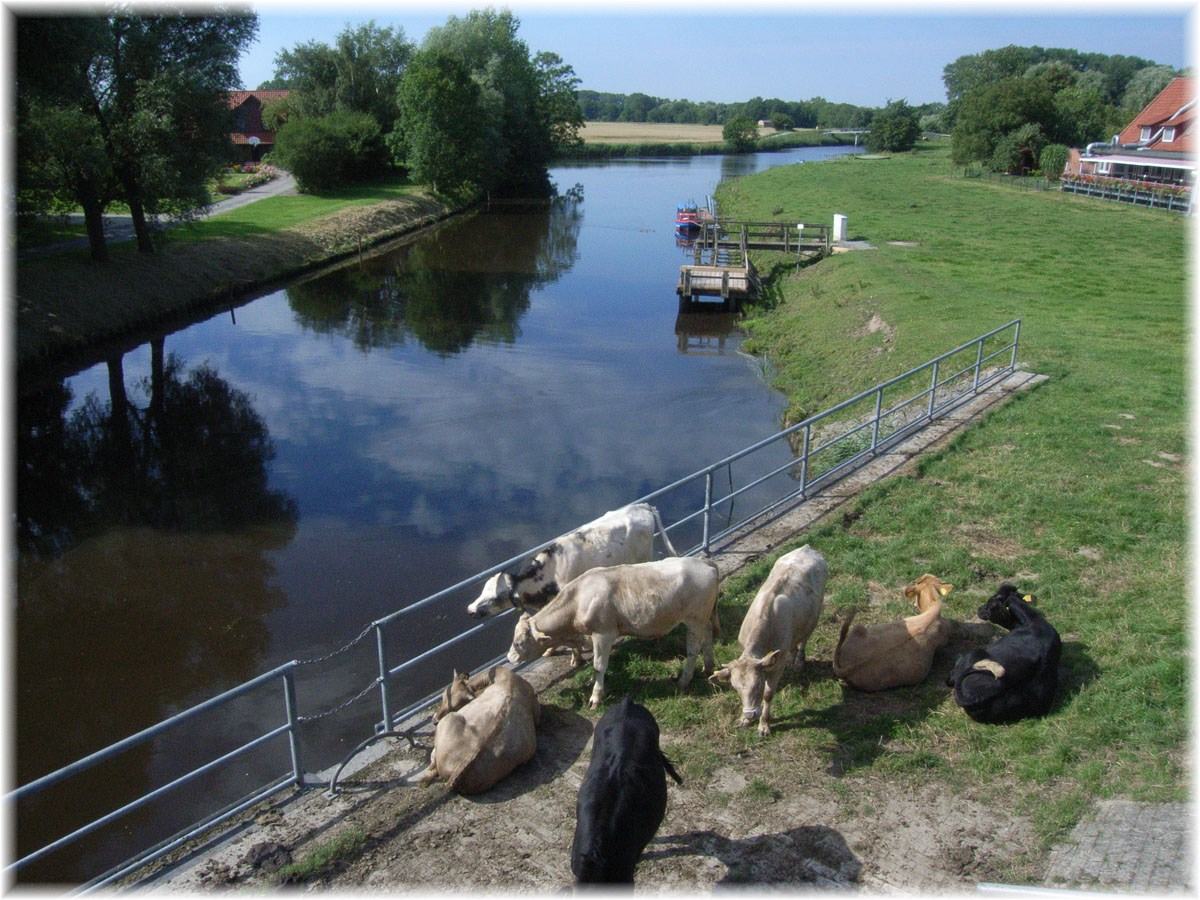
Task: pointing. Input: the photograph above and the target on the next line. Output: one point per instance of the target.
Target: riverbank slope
(66, 302)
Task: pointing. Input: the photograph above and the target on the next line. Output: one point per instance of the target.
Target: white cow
(624, 535)
(783, 615)
(642, 600)
(486, 738)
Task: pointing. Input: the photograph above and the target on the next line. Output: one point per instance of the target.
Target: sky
(862, 54)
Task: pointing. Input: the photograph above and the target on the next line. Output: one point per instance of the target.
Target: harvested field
(655, 133)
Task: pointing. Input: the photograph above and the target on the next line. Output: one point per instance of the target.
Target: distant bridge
(854, 131)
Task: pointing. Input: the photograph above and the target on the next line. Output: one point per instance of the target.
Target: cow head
(495, 597)
(528, 642)
(457, 694)
(748, 676)
(927, 590)
(997, 609)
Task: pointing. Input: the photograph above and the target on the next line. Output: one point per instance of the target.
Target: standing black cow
(1016, 676)
(623, 797)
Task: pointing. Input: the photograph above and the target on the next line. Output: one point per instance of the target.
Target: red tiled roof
(1172, 108)
(237, 98)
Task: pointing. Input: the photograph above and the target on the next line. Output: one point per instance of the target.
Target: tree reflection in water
(450, 291)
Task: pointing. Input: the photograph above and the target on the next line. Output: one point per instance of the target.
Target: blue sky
(865, 55)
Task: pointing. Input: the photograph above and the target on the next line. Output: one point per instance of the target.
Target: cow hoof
(764, 730)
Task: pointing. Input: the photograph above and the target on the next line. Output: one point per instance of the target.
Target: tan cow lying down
(775, 631)
(493, 732)
(641, 600)
(892, 654)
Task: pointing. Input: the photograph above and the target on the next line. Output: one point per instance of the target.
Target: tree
(442, 141)
(894, 129)
(740, 133)
(525, 117)
(61, 160)
(158, 95)
(1144, 86)
(988, 113)
(361, 72)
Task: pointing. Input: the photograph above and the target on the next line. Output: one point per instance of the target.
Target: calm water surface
(260, 486)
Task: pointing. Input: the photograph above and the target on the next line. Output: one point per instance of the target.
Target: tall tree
(61, 160)
(359, 72)
(894, 129)
(144, 94)
(524, 116)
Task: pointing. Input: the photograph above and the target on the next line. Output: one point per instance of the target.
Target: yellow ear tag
(1028, 598)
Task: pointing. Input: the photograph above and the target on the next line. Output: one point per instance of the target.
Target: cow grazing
(892, 654)
(622, 536)
(1016, 675)
(491, 734)
(642, 600)
(623, 797)
(775, 631)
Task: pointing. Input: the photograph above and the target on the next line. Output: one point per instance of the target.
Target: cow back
(623, 797)
(483, 742)
(787, 607)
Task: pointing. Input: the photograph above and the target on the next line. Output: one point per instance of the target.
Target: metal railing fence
(818, 450)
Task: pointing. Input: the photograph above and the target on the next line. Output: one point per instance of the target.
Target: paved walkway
(118, 227)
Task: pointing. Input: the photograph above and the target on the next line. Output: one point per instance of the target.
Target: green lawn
(1077, 490)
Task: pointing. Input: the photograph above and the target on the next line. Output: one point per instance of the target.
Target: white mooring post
(839, 227)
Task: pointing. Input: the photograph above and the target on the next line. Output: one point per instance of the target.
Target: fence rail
(1176, 199)
(816, 452)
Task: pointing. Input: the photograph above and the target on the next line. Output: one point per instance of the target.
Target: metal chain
(337, 709)
(328, 656)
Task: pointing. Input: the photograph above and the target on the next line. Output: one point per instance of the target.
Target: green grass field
(1077, 490)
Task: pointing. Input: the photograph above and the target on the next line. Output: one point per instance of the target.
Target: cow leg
(764, 718)
(694, 642)
(428, 776)
(601, 648)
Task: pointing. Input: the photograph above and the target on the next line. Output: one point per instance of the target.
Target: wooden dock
(721, 268)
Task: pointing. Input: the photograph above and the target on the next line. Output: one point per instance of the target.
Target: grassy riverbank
(611, 140)
(66, 302)
(1076, 491)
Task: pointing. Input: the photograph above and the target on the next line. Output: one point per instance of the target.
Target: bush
(1053, 160)
(329, 151)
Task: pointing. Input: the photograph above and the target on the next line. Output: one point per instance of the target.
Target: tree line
(1021, 108)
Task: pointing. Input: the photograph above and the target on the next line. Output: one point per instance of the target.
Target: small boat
(687, 216)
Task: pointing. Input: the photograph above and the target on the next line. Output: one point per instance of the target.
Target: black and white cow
(1016, 675)
(623, 797)
(622, 536)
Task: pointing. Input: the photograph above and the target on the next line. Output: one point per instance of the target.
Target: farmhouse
(1155, 148)
(250, 138)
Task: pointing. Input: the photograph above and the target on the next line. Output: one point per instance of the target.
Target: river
(261, 485)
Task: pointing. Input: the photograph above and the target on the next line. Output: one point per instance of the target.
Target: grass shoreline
(69, 306)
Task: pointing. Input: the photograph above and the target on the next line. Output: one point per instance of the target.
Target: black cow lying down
(1016, 675)
(623, 797)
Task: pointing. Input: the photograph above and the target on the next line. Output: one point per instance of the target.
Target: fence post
(1012, 363)
(933, 389)
(978, 365)
(875, 427)
(708, 486)
(383, 677)
(289, 703)
(804, 463)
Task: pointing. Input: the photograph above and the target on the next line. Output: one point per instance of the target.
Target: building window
(1145, 133)
(1168, 134)
(1104, 168)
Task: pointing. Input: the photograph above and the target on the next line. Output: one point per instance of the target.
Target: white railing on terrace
(816, 453)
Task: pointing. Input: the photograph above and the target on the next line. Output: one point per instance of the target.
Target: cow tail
(670, 768)
(666, 540)
(842, 637)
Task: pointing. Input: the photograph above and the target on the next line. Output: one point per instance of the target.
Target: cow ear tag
(945, 589)
(1028, 598)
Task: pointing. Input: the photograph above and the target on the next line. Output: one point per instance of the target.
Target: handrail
(923, 405)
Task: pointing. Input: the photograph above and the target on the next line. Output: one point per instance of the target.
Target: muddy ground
(740, 824)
